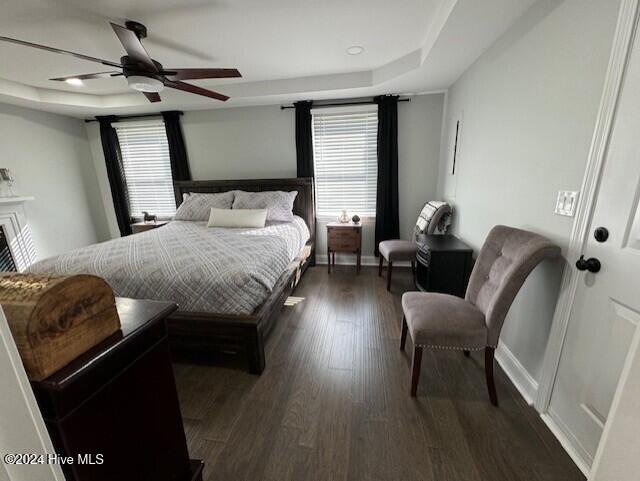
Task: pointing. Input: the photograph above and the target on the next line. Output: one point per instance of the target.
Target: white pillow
(237, 217)
(278, 203)
(196, 206)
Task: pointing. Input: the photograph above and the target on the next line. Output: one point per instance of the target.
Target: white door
(617, 457)
(606, 311)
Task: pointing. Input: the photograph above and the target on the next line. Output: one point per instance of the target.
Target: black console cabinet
(444, 264)
(119, 400)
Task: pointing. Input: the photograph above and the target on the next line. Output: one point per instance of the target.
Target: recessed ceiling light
(355, 50)
(74, 81)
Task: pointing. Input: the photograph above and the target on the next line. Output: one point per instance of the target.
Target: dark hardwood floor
(334, 404)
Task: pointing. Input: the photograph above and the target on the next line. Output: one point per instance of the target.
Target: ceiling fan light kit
(143, 74)
(145, 84)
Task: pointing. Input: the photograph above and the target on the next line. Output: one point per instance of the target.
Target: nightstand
(145, 226)
(444, 264)
(344, 238)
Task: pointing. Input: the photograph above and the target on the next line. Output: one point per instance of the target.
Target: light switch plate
(567, 202)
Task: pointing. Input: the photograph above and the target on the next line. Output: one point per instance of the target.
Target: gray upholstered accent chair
(435, 215)
(441, 321)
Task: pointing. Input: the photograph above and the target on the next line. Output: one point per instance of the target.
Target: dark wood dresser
(444, 264)
(119, 400)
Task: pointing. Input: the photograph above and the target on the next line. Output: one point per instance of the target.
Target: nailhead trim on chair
(451, 348)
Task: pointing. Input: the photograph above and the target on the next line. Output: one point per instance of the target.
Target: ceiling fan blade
(196, 73)
(196, 90)
(88, 76)
(133, 47)
(58, 50)
(152, 96)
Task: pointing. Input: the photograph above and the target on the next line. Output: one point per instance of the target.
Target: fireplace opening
(6, 258)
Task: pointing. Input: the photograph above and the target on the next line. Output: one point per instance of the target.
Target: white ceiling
(285, 49)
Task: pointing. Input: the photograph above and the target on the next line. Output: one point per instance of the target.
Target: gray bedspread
(229, 271)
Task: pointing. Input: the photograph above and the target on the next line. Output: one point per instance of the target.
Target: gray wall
(50, 159)
(529, 106)
(240, 143)
(258, 142)
(255, 142)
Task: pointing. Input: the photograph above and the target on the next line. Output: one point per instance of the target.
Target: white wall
(529, 106)
(259, 142)
(49, 157)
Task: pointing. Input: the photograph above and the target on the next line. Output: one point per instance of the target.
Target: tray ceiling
(285, 49)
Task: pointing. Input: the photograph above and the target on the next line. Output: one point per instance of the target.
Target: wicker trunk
(54, 319)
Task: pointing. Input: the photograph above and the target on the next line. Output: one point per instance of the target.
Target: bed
(230, 284)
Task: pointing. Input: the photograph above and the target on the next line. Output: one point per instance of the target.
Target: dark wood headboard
(304, 205)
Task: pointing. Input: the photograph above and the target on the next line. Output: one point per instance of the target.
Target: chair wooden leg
(488, 369)
(380, 266)
(466, 353)
(403, 333)
(415, 369)
(389, 269)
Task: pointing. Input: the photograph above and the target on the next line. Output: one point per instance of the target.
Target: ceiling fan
(143, 73)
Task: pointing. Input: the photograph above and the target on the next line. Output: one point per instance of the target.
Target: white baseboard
(516, 372)
(350, 260)
(568, 441)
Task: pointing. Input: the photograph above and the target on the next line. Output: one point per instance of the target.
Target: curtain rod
(139, 116)
(340, 104)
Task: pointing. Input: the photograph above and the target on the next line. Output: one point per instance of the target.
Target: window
(147, 168)
(346, 160)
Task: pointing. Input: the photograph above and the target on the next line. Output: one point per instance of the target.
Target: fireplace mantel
(16, 199)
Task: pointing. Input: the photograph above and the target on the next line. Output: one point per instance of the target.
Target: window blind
(345, 157)
(147, 168)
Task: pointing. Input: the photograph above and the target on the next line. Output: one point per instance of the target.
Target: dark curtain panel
(177, 150)
(387, 219)
(115, 172)
(304, 142)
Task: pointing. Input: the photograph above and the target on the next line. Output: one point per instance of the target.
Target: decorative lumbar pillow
(237, 217)
(279, 204)
(197, 206)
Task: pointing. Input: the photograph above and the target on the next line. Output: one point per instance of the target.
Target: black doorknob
(601, 234)
(592, 264)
